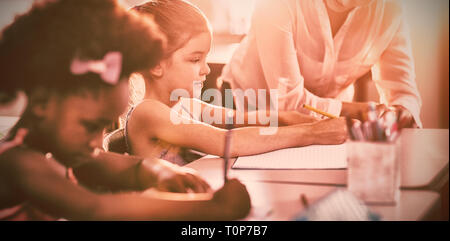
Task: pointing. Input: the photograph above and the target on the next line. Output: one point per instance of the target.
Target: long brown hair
(179, 20)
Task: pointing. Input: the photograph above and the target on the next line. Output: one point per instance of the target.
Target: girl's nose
(205, 69)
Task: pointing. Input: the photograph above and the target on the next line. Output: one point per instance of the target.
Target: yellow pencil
(319, 111)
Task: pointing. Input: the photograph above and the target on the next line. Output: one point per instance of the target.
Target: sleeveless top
(169, 152)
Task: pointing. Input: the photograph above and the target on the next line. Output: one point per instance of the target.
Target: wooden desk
(424, 170)
(284, 200)
(424, 165)
(425, 159)
(281, 201)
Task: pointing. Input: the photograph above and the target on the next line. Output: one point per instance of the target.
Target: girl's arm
(120, 172)
(215, 116)
(152, 119)
(230, 202)
(41, 181)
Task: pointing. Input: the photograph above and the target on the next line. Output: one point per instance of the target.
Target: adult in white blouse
(313, 51)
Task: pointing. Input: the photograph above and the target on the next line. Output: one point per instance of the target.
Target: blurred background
(428, 21)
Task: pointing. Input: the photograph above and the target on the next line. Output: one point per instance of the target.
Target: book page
(309, 157)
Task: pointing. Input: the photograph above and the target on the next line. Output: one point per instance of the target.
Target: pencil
(226, 156)
(229, 126)
(319, 111)
(304, 200)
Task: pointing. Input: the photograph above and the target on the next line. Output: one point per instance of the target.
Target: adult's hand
(404, 116)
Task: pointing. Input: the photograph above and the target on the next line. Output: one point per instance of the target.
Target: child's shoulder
(23, 165)
(19, 153)
(150, 110)
(157, 114)
(148, 115)
(150, 104)
(20, 159)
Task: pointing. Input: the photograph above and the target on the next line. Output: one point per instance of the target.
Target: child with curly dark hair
(73, 58)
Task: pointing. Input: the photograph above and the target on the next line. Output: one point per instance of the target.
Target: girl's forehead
(198, 43)
(108, 103)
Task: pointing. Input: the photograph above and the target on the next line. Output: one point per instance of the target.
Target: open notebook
(309, 157)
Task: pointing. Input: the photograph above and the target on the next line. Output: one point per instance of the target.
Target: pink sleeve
(273, 26)
(394, 75)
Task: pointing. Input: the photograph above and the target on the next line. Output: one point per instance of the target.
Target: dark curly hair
(37, 49)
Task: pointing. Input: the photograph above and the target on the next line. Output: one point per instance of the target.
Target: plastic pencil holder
(374, 171)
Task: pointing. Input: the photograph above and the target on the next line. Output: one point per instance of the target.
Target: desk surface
(281, 201)
(424, 164)
(284, 202)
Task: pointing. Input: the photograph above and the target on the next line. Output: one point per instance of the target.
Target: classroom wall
(227, 16)
(9, 8)
(429, 22)
(430, 52)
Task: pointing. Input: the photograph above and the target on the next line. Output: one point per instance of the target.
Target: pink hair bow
(109, 68)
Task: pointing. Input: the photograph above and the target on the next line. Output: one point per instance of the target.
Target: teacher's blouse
(290, 48)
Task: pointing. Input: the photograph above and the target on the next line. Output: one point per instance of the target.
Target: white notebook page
(309, 157)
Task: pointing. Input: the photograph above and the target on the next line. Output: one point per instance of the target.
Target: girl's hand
(17, 141)
(328, 132)
(169, 177)
(233, 199)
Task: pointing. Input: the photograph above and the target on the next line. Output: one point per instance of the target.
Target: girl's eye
(196, 60)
